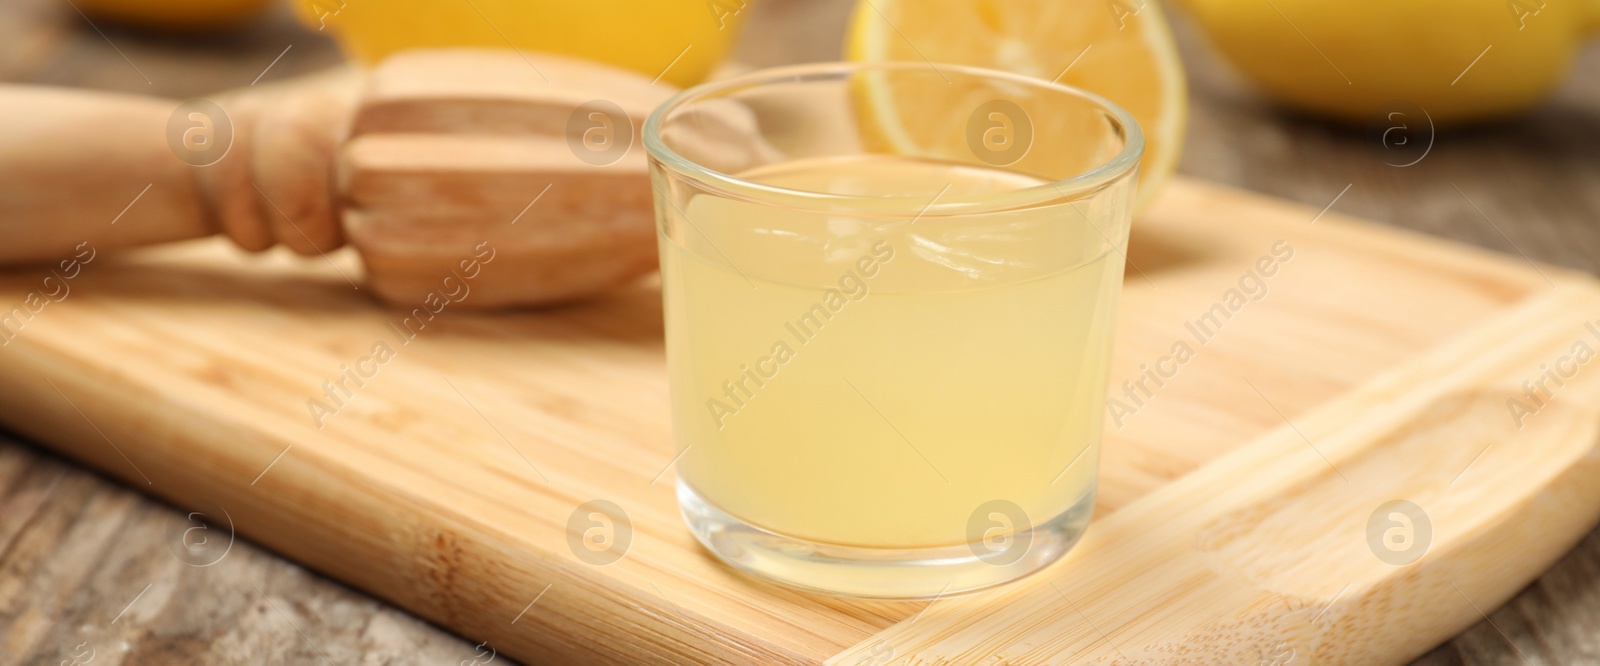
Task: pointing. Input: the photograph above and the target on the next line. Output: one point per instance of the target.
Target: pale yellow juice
(873, 380)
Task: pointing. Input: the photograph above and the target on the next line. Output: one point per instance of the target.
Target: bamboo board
(1237, 493)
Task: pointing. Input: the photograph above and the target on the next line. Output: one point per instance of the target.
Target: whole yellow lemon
(677, 40)
(1460, 60)
(172, 14)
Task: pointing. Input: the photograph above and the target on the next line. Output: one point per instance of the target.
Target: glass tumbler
(890, 291)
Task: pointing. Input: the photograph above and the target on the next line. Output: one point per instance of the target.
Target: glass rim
(1078, 186)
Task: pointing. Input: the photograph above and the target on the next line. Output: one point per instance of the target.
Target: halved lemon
(1119, 49)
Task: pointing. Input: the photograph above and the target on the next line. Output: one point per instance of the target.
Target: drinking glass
(890, 291)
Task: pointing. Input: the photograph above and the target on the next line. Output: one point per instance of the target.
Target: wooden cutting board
(1247, 506)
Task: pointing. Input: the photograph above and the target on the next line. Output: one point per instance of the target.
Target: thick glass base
(883, 573)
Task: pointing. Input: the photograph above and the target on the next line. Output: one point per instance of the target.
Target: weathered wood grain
(1535, 178)
(87, 571)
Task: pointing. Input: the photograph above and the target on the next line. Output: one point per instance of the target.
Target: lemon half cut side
(1119, 49)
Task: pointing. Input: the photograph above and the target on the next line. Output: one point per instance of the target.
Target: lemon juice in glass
(890, 291)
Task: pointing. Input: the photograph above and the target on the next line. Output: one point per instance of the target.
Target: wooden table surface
(86, 573)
